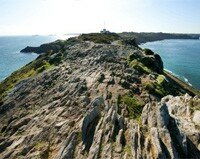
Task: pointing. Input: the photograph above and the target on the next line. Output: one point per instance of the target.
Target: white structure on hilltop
(104, 31)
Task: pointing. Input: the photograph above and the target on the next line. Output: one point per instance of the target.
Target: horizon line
(56, 34)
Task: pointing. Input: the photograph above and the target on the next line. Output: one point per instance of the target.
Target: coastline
(11, 59)
(181, 83)
(179, 76)
(142, 43)
(144, 37)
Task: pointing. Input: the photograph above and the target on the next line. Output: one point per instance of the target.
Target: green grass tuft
(155, 88)
(40, 144)
(160, 79)
(139, 66)
(134, 107)
(127, 149)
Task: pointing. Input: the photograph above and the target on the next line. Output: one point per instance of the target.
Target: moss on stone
(79, 136)
(160, 79)
(40, 144)
(139, 66)
(155, 88)
(46, 66)
(127, 149)
(134, 106)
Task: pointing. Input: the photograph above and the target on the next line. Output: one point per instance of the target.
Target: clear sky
(20, 17)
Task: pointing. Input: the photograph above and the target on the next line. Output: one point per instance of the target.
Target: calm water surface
(10, 57)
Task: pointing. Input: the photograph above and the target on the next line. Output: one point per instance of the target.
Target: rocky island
(97, 96)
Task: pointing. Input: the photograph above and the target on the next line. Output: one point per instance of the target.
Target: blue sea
(10, 57)
(180, 57)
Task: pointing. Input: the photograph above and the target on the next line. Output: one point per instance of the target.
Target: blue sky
(26, 17)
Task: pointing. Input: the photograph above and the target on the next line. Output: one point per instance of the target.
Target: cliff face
(97, 100)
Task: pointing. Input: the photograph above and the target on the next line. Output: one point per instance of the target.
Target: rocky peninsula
(139, 38)
(97, 96)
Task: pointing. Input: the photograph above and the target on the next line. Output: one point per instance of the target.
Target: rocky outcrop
(42, 49)
(67, 151)
(196, 118)
(153, 62)
(55, 46)
(96, 103)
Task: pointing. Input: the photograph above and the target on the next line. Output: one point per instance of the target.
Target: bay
(180, 57)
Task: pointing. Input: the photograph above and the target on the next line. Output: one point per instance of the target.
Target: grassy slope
(42, 63)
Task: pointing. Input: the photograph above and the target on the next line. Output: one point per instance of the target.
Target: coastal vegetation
(42, 63)
(134, 106)
(155, 88)
(105, 38)
(139, 66)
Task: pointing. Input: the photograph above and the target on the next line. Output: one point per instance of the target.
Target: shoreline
(181, 83)
(163, 40)
(144, 37)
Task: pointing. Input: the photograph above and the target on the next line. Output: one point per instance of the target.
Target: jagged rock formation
(98, 101)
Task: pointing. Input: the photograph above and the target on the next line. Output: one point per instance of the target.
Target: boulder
(196, 117)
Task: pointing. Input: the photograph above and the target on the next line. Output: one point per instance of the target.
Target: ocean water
(180, 57)
(10, 57)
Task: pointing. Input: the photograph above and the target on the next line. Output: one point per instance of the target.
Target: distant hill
(149, 37)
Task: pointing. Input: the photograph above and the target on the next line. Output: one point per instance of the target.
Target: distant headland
(139, 38)
(144, 37)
